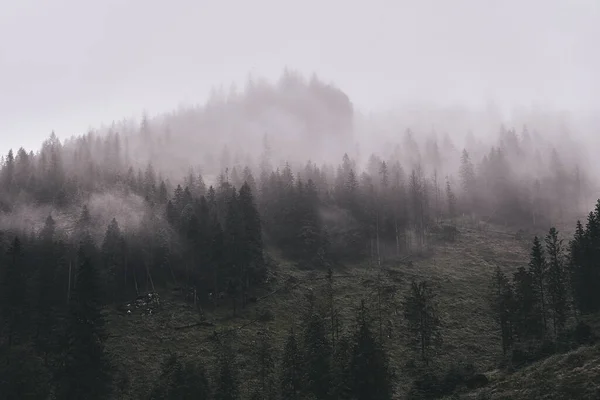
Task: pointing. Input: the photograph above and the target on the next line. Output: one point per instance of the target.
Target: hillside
(461, 272)
(573, 375)
(127, 272)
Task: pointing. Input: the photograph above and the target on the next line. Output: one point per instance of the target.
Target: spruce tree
(290, 379)
(527, 317)
(578, 266)
(317, 357)
(112, 258)
(467, 176)
(421, 315)
(502, 304)
(538, 270)
(49, 310)
(182, 380)
(251, 243)
(14, 295)
(369, 366)
(86, 372)
(583, 265)
(341, 372)
(84, 222)
(557, 283)
(234, 246)
(23, 375)
(227, 387)
(265, 366)
(451, 198)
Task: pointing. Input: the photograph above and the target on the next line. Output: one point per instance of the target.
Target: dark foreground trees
(423, 321)
(85, 371)
(369, 366)
(535, 311)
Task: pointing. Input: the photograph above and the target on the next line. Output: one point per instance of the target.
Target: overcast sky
(69, 64)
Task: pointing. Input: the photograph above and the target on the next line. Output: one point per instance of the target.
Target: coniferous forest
(153, 259)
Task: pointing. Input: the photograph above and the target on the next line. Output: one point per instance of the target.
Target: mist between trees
(202, 197)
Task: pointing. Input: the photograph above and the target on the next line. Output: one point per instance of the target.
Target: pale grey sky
(69, 64)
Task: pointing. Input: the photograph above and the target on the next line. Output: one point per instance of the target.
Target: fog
(155, 92)
(209, 146)
(67, 66)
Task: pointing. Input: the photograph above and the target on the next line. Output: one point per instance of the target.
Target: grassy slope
(574, 375)
(460, 271)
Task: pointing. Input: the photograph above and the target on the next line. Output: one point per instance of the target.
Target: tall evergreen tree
(421, 314)
(251, 244)
(451, 198)
(290, 379)
(234, 245)
(49, 299)
(265, 366)
(341, 370)
(317, 357)
(112, 258)
(557, 283)
(584, 269)
(468, 178)
(369, 364)
(185, 380)
(538, 270)
(14, 295)
(528, 323)
(23, 375)
(86, 372)
(502, 303)
(227, 387)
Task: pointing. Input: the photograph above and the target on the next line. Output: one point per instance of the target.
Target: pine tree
(49, 312)
(23, 375)
(451, 200)
(584, 269)
(538, 271)
(265, 366)
(226, 383)
(467, 177)
(163, 195)
(290, 379)
(502, 304)
(86, 372)
(112, 258)
(251, 242)
(84, 222)
(557, 284)
(528, 323)
(185, 380)
(216, 255)
(341, 373)
(14, 295)
(369, 366)
(234, 246)
(171, 214)
(317, 357)
(8, 173)
(420, 312)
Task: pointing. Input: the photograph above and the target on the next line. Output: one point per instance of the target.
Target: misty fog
(225, 154)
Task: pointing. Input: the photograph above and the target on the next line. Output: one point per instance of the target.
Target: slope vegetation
(460, 271)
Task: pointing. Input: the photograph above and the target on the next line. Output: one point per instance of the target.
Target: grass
(573, 375)
(460, 271)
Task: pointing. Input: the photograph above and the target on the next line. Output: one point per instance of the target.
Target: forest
(185, 211)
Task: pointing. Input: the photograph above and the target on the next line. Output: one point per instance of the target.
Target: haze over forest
(298, 201)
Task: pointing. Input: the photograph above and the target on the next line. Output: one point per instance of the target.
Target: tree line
(216, 237)
(540, 309)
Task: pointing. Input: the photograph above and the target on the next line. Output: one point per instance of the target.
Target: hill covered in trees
(210, 238)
